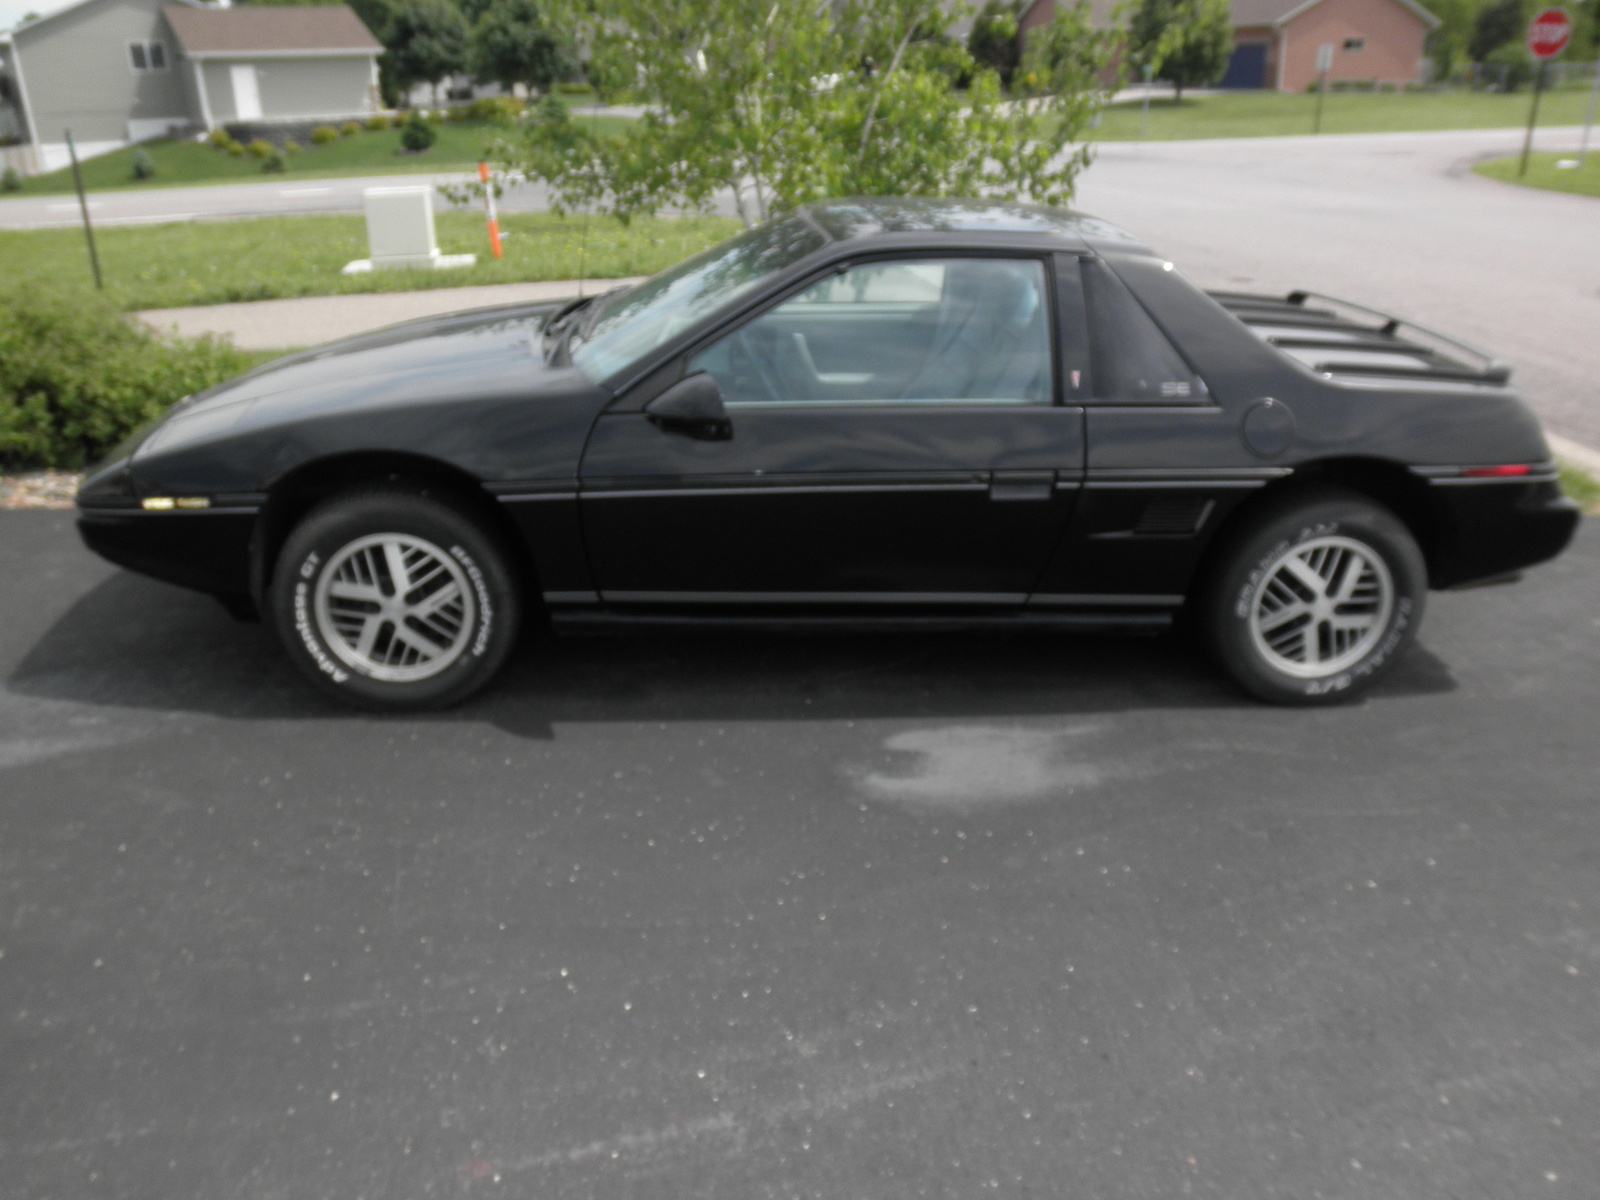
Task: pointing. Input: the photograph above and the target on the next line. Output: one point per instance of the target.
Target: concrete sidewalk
(312, 320)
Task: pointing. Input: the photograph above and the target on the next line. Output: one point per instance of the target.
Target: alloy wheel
(1320, 606)
(395, 608)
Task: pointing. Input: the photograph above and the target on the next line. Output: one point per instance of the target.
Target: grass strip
(269, 258)
(1275, 114)
(1543, 172)
(1582, 487)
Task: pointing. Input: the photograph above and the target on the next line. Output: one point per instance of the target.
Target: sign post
(1548, 35)
(1588, 125)
(1324, 65)
(1144, 117)
(83, 206)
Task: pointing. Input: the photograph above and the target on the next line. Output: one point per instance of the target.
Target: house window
(1354, 45)
(147, 56)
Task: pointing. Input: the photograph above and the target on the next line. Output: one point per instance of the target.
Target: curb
(1575, 452)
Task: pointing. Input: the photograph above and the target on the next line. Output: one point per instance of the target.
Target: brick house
(1276, 41)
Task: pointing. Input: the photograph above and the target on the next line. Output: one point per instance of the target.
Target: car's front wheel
(395, 600)
(1317, 600)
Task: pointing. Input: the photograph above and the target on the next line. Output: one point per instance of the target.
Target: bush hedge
(76, 376)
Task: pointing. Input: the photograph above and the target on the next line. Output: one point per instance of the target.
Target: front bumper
(208, 550)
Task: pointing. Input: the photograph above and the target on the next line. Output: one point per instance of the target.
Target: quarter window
(1134, 363)
(147, 56)
(910, 331)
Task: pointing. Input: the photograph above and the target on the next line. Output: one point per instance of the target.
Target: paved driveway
(732, 917)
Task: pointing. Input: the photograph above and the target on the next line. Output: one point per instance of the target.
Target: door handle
(1022, 485)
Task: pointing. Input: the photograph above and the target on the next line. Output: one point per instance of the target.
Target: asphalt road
(1396, 221)
(835, 917)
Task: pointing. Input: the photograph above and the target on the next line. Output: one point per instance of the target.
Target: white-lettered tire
(1317, 600)
(395, 600)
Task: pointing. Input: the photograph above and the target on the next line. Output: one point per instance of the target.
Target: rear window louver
(1338, 337)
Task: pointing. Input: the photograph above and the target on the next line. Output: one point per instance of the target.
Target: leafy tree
(1497, 24)
(1447, 45)
(785, 101)
(1188, 41)
(515, 42)
(425, 40)
(995, 40)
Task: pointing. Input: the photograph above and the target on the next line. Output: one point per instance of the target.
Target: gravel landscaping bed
(39, 489)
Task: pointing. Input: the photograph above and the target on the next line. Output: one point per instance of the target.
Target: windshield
(634, 323)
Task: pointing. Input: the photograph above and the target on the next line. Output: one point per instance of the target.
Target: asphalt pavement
(764, 917)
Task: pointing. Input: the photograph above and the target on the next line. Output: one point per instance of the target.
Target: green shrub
(500, 109)
(261, 148)
(379, 123)
(10, 181)
(274, 164)
(234, 149)
(144, 167)
(220, 138)
(350, 129)
(291, 147)
(416, 135)
(76, 376)
(324, 135)
(573, 89)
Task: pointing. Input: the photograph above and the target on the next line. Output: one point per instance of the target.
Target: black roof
(872, 216)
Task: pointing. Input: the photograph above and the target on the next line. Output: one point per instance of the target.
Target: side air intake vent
(1174, 515)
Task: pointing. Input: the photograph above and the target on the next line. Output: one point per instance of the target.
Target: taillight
(1504, 472)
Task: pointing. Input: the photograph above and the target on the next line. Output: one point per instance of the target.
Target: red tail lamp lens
(1505, 472)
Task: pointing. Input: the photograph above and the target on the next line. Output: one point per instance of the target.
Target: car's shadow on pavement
(135, 643)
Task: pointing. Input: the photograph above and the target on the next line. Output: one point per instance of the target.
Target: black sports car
(923, 412)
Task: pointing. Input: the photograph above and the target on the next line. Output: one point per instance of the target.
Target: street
(765, 917)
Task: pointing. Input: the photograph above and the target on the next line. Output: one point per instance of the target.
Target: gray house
(115, 72)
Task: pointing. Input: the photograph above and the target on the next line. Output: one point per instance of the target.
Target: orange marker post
(488, 204)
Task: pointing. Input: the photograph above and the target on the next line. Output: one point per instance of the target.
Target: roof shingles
(270, 30)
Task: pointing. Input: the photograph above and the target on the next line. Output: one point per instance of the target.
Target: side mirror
(694, 408)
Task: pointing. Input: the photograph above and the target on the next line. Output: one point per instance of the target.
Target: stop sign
(1548, 35)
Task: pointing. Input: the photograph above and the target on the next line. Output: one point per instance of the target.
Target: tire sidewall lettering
(480, 587)
(303, 624)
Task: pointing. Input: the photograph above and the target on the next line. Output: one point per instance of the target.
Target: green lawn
(1274, 114)
(206, 262)
(1543, 173)
(1582, 487)
(184, 161)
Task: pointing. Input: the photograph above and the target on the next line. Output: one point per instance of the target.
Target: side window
(910, 331)
(1133, 361)
(147, 56)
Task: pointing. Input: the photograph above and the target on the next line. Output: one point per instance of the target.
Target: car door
(1165, 464)
(896, 436)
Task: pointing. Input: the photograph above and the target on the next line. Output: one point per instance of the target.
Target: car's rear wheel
(1317, 600)
(395, 600)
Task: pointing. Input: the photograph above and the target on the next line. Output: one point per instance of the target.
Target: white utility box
(400, 232)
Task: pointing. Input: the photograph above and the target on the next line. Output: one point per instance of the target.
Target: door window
(910, 331)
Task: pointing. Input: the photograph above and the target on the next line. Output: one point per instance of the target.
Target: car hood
(455, 340)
